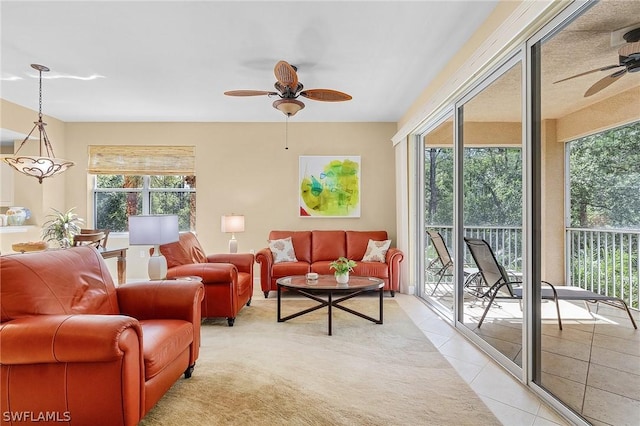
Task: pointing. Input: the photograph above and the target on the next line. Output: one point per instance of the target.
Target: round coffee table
(327, 286)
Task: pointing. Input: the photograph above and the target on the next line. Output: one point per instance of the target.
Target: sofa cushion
(289, 268)
(357, 242)
(301, 242)
(327, 245)
(282, 250)
(372, 269)
(163, 341)
(322, 267)
(376, 251)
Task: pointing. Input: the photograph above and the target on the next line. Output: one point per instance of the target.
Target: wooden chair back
(94, 237)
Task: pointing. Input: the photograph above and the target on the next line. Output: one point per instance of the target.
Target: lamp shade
(153, 229)
(232, 223)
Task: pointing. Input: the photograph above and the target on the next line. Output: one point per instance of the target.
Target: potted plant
(342, 267)
(61, 227)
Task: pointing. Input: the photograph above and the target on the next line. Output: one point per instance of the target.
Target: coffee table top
(328, 282)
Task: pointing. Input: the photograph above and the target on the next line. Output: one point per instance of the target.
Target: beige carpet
(261, 372)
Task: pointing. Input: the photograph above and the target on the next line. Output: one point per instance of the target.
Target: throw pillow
(376, 251)
(282, 250)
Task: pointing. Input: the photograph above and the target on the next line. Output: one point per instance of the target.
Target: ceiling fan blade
(286, 75)
(604, 82)
(325, 95)
(608, 67)
(249, 93)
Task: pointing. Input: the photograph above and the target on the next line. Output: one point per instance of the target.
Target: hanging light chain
(40, 95)
(286, 133)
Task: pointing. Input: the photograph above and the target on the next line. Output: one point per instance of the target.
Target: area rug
(261, 372)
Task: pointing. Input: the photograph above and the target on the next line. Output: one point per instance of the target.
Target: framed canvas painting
(329, 186)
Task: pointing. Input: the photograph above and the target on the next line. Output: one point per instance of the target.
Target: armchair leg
(266, 294)
(393, 293)
(189, 371)
(249, 302)
(230, 321)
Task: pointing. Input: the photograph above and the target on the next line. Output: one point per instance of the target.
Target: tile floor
(510, 401)
(593, 363)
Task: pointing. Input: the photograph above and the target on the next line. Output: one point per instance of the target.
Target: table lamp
(232, 223)
(154, 230)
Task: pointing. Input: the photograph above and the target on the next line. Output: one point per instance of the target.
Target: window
(142, 179)
(116, 197)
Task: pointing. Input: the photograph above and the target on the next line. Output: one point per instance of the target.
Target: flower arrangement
(342, 265)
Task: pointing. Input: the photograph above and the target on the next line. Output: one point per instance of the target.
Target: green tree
(167, 196)
(492, 186)
(604, 172)
(439, 186)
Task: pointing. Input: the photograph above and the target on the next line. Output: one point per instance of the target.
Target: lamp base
(157, 265)
(233, 245)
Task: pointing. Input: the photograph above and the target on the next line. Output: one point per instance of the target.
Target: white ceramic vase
(342, 278)
(16, 216)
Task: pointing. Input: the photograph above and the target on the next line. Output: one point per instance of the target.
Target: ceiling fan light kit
(289, 89)
(288, 106)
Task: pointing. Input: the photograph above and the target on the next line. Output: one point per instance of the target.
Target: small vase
(342, 278)
(16, 216)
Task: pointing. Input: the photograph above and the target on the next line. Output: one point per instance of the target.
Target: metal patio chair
(501, 286)
(442, 265)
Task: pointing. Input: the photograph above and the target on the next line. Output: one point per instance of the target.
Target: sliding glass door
(491, 212)
(587, 133)
(536, 165)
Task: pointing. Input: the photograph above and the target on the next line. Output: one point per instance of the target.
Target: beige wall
(615, 111)
(243, 168)
(552, 204)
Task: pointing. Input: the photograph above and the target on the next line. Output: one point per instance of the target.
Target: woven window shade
(142, 160)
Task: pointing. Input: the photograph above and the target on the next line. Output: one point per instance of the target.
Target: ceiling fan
(289, 89)
(629, 58)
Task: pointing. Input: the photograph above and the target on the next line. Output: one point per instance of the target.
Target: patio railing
(605, 261)
(505, 241)
(602, 260)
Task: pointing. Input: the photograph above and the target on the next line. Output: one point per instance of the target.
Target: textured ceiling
(583, 45)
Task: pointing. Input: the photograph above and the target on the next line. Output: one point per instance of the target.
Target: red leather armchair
(77, 348)
(227, 278)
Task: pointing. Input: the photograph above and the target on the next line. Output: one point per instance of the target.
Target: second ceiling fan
(289, 89)
(628, 60)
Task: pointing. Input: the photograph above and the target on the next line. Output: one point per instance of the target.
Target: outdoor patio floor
(593, 364)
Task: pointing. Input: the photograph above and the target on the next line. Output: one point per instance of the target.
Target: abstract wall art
(329, 186)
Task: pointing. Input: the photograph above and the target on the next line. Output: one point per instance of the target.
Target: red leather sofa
(78, 349)
(314, 250)
(227, 278)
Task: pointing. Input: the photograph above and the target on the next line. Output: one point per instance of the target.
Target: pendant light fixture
(40, 166)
